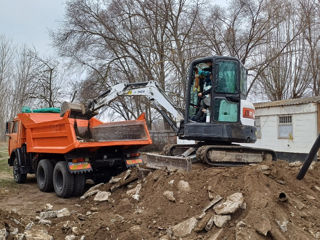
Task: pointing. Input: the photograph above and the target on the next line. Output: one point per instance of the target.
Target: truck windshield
(226, 77)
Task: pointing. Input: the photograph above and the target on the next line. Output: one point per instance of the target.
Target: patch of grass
(4, 167)
(8, 183)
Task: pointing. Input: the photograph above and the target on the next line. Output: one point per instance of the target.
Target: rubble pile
(263, 201)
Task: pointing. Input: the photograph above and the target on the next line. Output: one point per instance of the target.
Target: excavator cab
(216, 106)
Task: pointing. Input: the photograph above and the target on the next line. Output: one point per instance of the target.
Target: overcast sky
(29, 21)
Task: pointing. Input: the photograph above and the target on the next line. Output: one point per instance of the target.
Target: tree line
(139, 40)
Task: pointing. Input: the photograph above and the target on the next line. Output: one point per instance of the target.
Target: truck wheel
(44, 175)
(63, 181)
(79, 184)
(18, 177)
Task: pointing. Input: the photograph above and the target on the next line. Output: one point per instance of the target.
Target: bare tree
(6, 58)
(310, 16)
(46, 85)
(246, 30)
(24, 74)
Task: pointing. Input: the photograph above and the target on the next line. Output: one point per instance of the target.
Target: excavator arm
(150, 90)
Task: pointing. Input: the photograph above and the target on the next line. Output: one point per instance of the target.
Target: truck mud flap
(157, 161)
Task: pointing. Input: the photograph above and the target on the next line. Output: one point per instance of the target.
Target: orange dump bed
(50, 133)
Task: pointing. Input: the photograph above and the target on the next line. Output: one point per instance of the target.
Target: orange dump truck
(65, 150)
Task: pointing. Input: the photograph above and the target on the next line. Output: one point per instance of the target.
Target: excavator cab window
(226, 77)
(217, 86)
(243, 82)
(226, 102)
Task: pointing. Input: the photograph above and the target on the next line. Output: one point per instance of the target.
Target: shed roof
(288, 102)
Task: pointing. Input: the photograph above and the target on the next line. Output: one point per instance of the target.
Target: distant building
(289, 127)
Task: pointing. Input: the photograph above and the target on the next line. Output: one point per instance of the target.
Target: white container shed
(288, 127)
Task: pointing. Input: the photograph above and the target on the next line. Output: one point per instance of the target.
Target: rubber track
(202, 154)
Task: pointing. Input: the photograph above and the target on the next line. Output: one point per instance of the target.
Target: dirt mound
(251, 202)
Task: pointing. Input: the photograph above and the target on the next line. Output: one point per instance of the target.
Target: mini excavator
(217, 115)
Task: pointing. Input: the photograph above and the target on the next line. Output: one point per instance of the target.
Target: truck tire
(18, 177)
(45, 175)
(79, 184)
(63, 180)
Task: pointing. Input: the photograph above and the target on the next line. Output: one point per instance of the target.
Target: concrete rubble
(184, 228)
(183, 186)
(221, 220)
(64, 212)
(89, 194)
(217, 199)
(224, 203)
(232, 204)
(37, 234)
(134, 193)
(263, 225)
(102, 196)
(169, 195)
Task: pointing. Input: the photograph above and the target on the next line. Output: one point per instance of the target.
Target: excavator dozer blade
(157, 161)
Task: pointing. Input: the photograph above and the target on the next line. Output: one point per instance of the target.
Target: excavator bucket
(120, 131)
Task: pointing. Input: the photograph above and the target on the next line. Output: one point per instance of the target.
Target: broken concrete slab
(263, 167)
(231, 205)
(283, 225)
(4, 233)
(114, 180)
(70, 237)
(295, 164)
(123, 182)
(95, 187)
(102, 196)
(202, 223)
(29, 226)
(216, 236)
(217, 199)
(127, 174)
(64, 212)
(169, 195)
(221, 220)
(45, 222)
(183, 186)
(89, 194)
(316, 188)
(209, 224)
(310, 197)
(134, 193)
(75, 230)
(184, 228)
(262, 225)
(48, 214)
(48, 207)
(37, 234)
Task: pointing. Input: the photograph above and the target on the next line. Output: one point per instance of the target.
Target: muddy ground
(172, 205)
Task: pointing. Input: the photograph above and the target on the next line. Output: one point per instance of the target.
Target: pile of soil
(275, 205)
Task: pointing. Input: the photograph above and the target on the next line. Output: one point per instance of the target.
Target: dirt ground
(137, 207)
